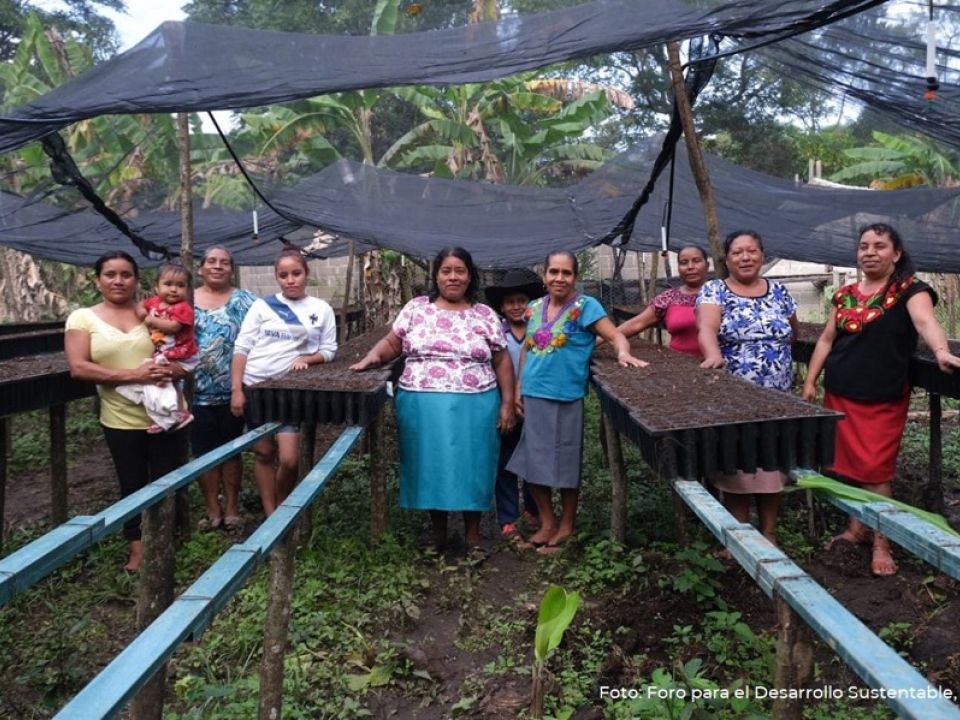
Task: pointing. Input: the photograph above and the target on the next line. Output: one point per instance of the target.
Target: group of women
(241, 339)
(746, 324)
(459, 389)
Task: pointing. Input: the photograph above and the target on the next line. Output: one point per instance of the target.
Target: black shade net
(504, 226)
(182, 66)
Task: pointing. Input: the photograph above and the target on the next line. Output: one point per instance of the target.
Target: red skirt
(868, 438)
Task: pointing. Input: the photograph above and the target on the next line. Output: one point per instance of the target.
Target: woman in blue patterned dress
(746, 324)
(220, 308)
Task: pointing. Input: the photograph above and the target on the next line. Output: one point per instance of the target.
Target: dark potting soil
(674, 393)
(23, 368)
(337, 376)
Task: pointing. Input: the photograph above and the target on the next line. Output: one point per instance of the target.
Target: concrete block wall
(327, 280)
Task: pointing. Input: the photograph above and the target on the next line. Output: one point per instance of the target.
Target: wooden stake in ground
(155, 595)
(58, 464)
(308, 447)
(697, 165)
(184, 526)
(378, 485)
(4, 434)
(794, 666)
(618, 482)
(276, 628)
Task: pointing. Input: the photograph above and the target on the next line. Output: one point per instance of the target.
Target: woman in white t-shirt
(287, 331)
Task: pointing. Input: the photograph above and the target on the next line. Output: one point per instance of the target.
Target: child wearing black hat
(510, 299)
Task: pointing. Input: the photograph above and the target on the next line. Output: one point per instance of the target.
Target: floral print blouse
(448, 350)
(755, 333)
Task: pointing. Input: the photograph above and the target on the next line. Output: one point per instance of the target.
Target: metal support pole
(58, 464)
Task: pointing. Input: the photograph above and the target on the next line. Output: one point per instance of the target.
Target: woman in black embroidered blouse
(865, 348)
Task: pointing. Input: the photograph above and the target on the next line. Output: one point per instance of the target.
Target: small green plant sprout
(557, 610)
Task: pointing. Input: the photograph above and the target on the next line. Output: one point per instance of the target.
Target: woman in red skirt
(866, 348)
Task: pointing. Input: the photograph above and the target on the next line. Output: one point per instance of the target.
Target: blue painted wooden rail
(929, 543)
(33, 562)
(906, 691)
(192, 612)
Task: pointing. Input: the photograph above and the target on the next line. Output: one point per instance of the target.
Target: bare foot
(881, 563)
(854, 537)
(540, 538)
(136, 557)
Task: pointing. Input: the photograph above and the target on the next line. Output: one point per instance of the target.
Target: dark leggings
(141, 458)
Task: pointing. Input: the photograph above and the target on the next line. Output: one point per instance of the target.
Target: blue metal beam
(34, 561)
(914, 534)
(192, 612)
(901, 686)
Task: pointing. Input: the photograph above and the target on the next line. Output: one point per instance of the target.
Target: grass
(356, 602)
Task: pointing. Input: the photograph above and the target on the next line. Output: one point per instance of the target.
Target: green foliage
(557, 610)
(606, 564)
(687, 693)
(835, 488)
(694, 576)
(900, 161)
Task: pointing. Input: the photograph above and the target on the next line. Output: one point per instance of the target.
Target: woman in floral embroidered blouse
(561, 336)
(455, 392)
(675, 308)
(866, 348)
(746, 324)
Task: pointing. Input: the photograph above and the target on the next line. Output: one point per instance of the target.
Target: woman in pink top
(675, 308)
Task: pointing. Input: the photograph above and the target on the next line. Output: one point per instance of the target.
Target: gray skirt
(550, 450)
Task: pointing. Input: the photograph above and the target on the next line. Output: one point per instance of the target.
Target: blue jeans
(506, 490)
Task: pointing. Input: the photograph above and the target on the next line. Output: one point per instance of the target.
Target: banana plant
(557, 610)
(895, 162)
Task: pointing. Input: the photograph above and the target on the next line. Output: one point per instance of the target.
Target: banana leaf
(828, 486)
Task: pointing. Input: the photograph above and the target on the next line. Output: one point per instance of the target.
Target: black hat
(518, 280)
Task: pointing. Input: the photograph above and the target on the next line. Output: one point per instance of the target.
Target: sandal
(210, 523)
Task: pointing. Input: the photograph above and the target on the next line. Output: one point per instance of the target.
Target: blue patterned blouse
(216, 331)
(755, 333)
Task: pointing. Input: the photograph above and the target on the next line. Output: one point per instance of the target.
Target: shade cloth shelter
(505, 226)
(184, 66)
(189, 66)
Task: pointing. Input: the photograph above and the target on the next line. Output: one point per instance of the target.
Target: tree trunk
(25, 296)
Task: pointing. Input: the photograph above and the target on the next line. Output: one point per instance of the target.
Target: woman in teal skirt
(455, 396)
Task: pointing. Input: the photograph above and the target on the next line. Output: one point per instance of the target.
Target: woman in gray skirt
(561, 336)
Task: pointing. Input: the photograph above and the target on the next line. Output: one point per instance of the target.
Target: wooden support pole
(276, 628)
(697, 164)
(933, 493)
(58, 464)
(186, 193)
(308, 447)
(794, 664)
(347, 286)
(4, 434)
(155, 595)
(618, 483)
(183, 523)
(378, 483)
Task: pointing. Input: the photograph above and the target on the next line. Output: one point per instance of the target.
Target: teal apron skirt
(449, 445)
